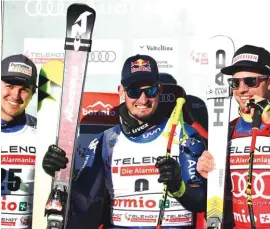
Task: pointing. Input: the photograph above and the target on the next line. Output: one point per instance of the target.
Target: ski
(49, 97)
(219, 96)
(80, 24)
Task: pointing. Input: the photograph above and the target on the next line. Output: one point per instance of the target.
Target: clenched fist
(205, 164)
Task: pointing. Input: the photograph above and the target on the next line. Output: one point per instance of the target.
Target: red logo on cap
(140, 65)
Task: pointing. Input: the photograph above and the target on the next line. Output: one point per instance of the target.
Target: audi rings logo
(258, 185)
(167, 98)
(102, 56)
(45, 8)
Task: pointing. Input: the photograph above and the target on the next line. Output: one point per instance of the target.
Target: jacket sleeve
(195, 194)
(88, 182)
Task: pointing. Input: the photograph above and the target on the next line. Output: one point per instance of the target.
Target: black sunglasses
(135, 93)
(250, 81)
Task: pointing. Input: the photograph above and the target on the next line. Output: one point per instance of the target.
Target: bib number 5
(13, 181)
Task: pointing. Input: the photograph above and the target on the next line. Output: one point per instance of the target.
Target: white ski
(221, 51)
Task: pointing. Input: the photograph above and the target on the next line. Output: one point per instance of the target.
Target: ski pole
(176, 116)
(256, 122)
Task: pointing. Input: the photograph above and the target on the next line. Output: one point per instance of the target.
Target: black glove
(170, 173)
(54, 160)
(262, 106)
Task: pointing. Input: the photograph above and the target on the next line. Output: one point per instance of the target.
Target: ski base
(214, 223)
(55, 207)
(55, 221)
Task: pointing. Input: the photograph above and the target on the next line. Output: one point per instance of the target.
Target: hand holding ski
(54, 160)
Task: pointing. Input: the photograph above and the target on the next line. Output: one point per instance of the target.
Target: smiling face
(14, 99)
(143, 107)
(244, 93)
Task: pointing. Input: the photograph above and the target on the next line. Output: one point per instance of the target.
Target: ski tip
(224, 37)
(80, 7)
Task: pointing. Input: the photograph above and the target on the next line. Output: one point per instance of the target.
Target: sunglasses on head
(135, 93)
(250, 81)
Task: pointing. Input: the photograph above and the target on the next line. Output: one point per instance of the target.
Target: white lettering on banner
(151, 133)
(261, 190)
(241, 217)
(245, 56)
(106, 111)
(69, 111)
(78, 30)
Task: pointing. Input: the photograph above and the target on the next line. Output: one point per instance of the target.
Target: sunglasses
(250, 81)
(135, 93)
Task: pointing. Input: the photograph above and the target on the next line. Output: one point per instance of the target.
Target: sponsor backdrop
(175, 33)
